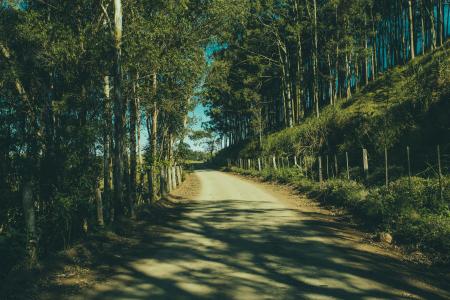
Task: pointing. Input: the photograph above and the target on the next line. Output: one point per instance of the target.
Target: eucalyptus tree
(52, 65)
(309, 54)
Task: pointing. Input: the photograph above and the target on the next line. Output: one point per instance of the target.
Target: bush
(412, 210)
(344, 193)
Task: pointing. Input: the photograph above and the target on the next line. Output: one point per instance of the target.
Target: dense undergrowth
(412, 211)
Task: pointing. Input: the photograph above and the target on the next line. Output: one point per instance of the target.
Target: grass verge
(413, 212)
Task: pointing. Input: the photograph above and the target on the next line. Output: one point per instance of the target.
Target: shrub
(412, 210)
(344, 193)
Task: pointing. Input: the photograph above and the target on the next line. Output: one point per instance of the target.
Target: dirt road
(240, 240)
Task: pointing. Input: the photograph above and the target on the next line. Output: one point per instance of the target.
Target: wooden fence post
(259, 165)
(274, 159)
(174, 176)
(178, 175)
(169, 179)
(173, 179)
(163, 182)
(348, 170)
(167, 175)
(365, 164)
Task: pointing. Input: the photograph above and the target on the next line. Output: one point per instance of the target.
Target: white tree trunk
(99, 202)
(118, 111)
(411, 30)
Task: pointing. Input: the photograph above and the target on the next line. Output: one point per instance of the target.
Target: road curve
(237, 240)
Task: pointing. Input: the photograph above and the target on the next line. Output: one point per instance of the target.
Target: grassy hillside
(407, 106)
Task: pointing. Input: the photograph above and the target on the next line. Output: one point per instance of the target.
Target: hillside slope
(407, 106)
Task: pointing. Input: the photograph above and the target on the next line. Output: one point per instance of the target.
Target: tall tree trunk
(422, 27)
(290, 122)
(153, 141)
(30, 221)
(128, 204)
(299, 93)
(133, 159)
(30, 156)
(374, 46)
(411, 30)
(432, 26)
(402, 30)
(366, 52)
(330, 81)
(99, 204)
(356, 74)
(119, 116)
(347, 76)
(441, 22)
(285, 78)
(138, 146)
(315, 62)
(336, 66)
(107, 125)
(299, 67)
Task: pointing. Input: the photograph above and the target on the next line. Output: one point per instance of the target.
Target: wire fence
(372, 168)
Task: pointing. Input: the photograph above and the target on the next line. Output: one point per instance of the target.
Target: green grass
(409, 105)
(413, 212)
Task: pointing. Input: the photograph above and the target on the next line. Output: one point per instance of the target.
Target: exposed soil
(221, 236)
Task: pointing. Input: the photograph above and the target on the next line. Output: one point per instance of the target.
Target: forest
(95, 97)
(94, 100)
(347, 101)
(291, 59)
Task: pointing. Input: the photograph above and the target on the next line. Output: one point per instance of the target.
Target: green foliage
(184, 153)
(55, 108)
(343, 193)
(386, 112)
(412, 211)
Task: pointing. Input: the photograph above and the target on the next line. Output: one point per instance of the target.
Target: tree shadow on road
(214, 250)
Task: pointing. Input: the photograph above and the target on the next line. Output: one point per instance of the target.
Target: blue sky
(199, 113)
